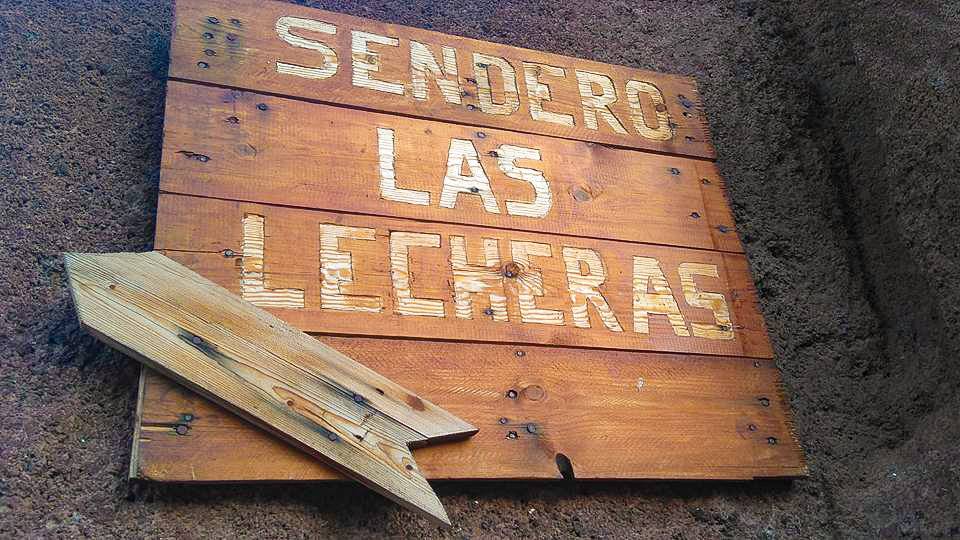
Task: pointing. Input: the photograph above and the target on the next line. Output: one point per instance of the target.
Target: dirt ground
(837, 130)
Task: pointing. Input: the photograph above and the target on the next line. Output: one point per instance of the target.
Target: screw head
(481, 135)
(213, 20)
(187, 417)
(512, 435)
(531, 428)
(236, 22)
(474, 189)
(197, 340)
(503, 420)
(203, 65)
(764, 401)
(471, 107)
(521, 354)
(695, 215)
(182, 429)
(488, 312)
(512, 394)
(262, 106)
(705, 181)
(674, 171)
(228, 253)
(771, 440)
(207, 35)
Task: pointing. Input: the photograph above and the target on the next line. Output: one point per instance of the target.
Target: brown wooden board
(382, 276)
(334, 58)
(387, 224)
(267, 149)
(615, 415)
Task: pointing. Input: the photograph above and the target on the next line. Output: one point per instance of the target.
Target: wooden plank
(252, 147)
(335, 58)
(613, 415)
(311, 395)
(351, 274)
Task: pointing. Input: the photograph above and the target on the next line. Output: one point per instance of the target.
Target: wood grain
(383, 276)
(334, 58)
(311, 395)
(615, 414)
(252, 147)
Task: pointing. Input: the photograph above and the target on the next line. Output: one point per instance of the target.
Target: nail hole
(262, 106)
(689, 138)
(488, 312)
(764, 401)
(565, 467)
(771, 440)
(231, 37)
(207, 35)
(203, 65)
(289, 403)
(409, 467)
(705, 181)
(503, 420)
(695, 215)
(674, 171)
(722, 228)
(581, 195)
(481, 135)
(471, 107)
(233, 120)
(520, 354)
(512, 394)
(379, 391)
(531, 428)
(474, 189)
(209, 52)
(512, 435)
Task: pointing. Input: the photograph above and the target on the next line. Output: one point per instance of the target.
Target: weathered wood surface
(340, 273)
(613, 415)
(318, 399)
(252, 147)
(330, 57)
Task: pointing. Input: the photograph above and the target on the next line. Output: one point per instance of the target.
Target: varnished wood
(292, 50)
(172, 319)
(251, 147)
(199, 232)
(613, 415)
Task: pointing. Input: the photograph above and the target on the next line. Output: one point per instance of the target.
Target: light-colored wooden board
(319, 400)
(396, 277)
(330, 57)
(615, 414)
(253, 147)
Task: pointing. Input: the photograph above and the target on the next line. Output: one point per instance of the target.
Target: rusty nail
(695, 215)
(203, 65)
(182, 429)
(213, 20)
(705, 181)
(503, 420)
(771, 440)
(752, 427)
(488, 312)
(764, 401)
(512, 435)
(187, 417)
(674, 171)
(512, 394)
(531, 428)
(481, 135)
(209, 52)
(207, 35)
(262, 106)
(474, 189)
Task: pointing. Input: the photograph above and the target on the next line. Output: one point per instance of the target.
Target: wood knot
(534, 392)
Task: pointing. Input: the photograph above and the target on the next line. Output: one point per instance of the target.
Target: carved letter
(511, 98)
(662, 132)
(585, 287)
(530, 283)
(366, 62)
(707, 300)
(388, 173)
(252, 275)
(506, 156)
(594, 104)
(483, 278)
(646, 274)
(538, 92)
(336, 268)
(400, 243)
(423, 61)
(455, 183)
(329, 66)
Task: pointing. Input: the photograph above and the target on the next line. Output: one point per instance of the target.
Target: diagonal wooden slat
(256, 365)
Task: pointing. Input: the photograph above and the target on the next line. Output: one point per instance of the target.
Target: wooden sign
(478, 222)
(275, 376)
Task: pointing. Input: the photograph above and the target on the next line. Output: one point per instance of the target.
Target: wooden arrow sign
(183, 325)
